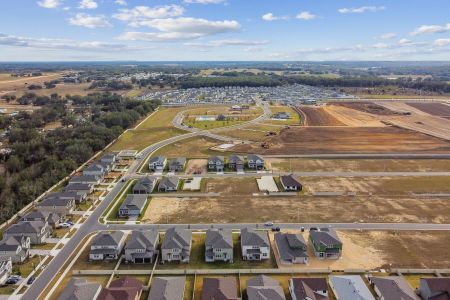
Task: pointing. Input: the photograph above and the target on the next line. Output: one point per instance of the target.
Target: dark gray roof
(215, 159)
(307, 288)
(143, 239)
(146, 184)
(179, 161)
(84, 178)
(96, 167)
(262, 280)
(176, 238)
(263, 287)
(224, 288)
(325, 237)
(219, 238)
(167, 288)
(254, 238)
(235, 159)
(26, 227)
(106, 239)
(289, 180)
(290, 246)
(255, 157)
(80, 289)
(394, 288)
(55, 201)
(12, 243)
(157, 159)
(108, 157)
(134, 202)
(169, 182)
(78, 187)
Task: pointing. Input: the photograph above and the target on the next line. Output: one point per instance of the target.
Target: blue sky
(54, 30)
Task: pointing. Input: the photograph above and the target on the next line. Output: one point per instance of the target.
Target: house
(290, 183)
(95, 169)
(177, 164)
(216, 163)
(263, 287)
(57, 205)
(223, 288)
(157, 163)
(68, 195)
(125, 288)
(308, 288)
(89, 179)
(168, 184)
(109, 159)
(236, 162)
(326, 244)
(145, 185)
(53, 219)
(435, 288)
(141, 248)
(291, 248)
(80, 289)
(82, 189)
(167, 288)
(107, 246)
(15, 247)
(132, 206)
(236, 108)
(282, 115)
(219, 245)
(254, 244)
(392, 288)
(37, 231)
(176, 245)
(255, 162)
(350, 287)
(5, 269)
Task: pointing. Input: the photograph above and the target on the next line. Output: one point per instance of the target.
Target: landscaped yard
(294, 120)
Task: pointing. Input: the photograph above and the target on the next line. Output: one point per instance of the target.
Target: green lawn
(25, 268)
(162, 118)
(295, 118)
(112, 214)
(207, 125)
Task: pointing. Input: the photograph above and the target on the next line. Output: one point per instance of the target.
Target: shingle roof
(55, 201)
(254, 238)
(167, 288)
(76, 186)
(179, 161)
(219, 238)
(215, 159)
(394, 288)
(146, 183)
(350, 287)
(134, 201)
(262, 280)
(84, 178)
(290, 246)
(440, 286)
(11, 243)
(126, 282)
(80, 289)
(263, 287)
(157, 159)
(171, 182)
(26, 227)
(105, 239)
(176, 238)
(224, 288)
(307, 288)
(255, 157)
(143, 239)
(289, 180)
(235, 159)
(325, 237)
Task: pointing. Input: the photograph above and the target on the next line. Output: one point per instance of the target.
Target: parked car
(12, 280)
(302, 229)
(70, 222)
(276, 229)
(268, 223)
(64, 225)
(30, 280)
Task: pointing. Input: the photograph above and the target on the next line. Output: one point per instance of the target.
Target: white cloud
(204, 1)
(88, 4)
(388, 36)
(271, 17)
(60, 44)
(222, 43)
(121, 2)
(306, 15)
(426, 29)
(174, 29)
(381, 46)
(49, 3)
(441, 42)
(360, 10)
(89, 21)
(142, 13)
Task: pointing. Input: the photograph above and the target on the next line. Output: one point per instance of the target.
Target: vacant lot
(312, 140)
(367, 107)
(353, 117)
(434, 109)
(162, 118)
(196, 147)
(232, 186)
(352, 165)
(253, 132)
(318, 116)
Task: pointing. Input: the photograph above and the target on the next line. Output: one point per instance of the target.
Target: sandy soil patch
(196, 166)
(232, 186)
(352, 117)
(318, 116)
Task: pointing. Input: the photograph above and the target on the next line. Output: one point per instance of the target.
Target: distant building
(216, 163)
(290, 183)
(157, 163)
(5, 269)
(125, 288)
(236, 162)
(16, 248)
(392, 288)
(255, 162)
(282, 115)
(168, 184)
(37, 231)
(177, 164)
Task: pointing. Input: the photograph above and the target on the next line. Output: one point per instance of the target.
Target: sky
(224, 30)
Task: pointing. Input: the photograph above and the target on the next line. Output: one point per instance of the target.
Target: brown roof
(394, 288)
(125, 288)
(308, 287)
(126, 281)
(440, 286)
(224, 288)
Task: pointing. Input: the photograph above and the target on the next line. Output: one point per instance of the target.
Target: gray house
(350, 287)
(82, 189)
(263, 287)
(89, 179)
(95, 169)
(236, 162)
(216, 163)
(141, 248)
(168, 184)
(326, 244)
(291, 248)
(132, 206)
(37, 231)
(255, 162)
(53, 219)
(107, 246)
(145, 185)
(219, 245)
(222, 288)
(176, 245)
(61, 206)
(109, 159)
(15, 247)
(80, 289)
(254, 244)
(435, 288)
(68, 195)
(177, 164)
(167, 288)
(157, 163)
(392, 288)
(290, 183)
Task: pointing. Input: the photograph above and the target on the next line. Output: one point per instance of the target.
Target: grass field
(196, 147)
(207, 125)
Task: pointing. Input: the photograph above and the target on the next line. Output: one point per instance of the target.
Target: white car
(64, 225)
(269, 223)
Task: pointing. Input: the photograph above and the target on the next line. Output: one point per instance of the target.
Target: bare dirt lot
(434, 109)
(196, 166)
(313, 140)
(367, 107)
(318, 116)
(232, 186)
(353, 117)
